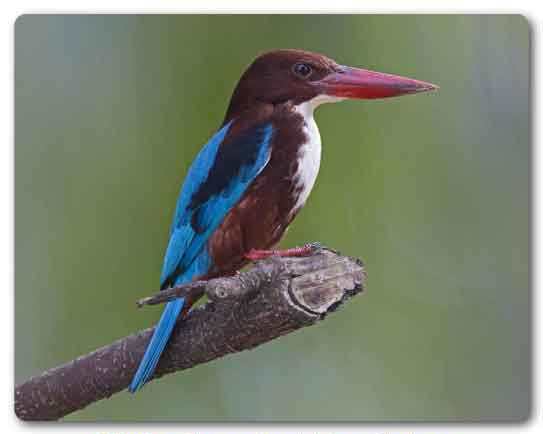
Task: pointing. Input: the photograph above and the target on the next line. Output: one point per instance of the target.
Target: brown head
(298, 76)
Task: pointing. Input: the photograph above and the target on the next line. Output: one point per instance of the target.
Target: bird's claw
(315, 246)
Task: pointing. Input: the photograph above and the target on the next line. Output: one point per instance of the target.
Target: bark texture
(276, 297)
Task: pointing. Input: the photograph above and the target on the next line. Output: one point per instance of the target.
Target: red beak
(358, 83)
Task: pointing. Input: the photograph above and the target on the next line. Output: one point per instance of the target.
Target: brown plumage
(260, 219)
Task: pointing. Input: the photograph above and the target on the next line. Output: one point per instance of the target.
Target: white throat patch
(309, 154)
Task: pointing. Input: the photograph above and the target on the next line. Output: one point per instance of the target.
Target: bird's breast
(273, 199)
(308, 158)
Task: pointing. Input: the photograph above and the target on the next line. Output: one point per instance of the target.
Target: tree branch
(276, 297)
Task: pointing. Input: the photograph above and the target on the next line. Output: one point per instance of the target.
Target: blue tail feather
(160, 337)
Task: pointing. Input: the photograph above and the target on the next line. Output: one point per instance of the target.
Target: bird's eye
(302, 70)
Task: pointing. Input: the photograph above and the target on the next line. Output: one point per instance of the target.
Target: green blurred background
(432, 191)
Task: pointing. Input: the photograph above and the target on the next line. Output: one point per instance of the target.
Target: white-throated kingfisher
(255, 174)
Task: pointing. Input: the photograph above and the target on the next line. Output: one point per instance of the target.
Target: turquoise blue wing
(216, 181)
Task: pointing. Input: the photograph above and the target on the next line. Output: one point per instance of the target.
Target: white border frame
(9, 13)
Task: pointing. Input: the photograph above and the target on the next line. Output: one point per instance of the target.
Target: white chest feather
(309, 156)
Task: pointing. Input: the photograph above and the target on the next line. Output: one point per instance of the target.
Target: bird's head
(298, 76)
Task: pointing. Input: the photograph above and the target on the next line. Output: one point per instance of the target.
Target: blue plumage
(216, 181)
(158, 342)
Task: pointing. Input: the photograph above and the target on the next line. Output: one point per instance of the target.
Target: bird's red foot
(187, 306)
(305, 250)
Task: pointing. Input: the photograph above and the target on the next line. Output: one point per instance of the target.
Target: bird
(254, 175)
